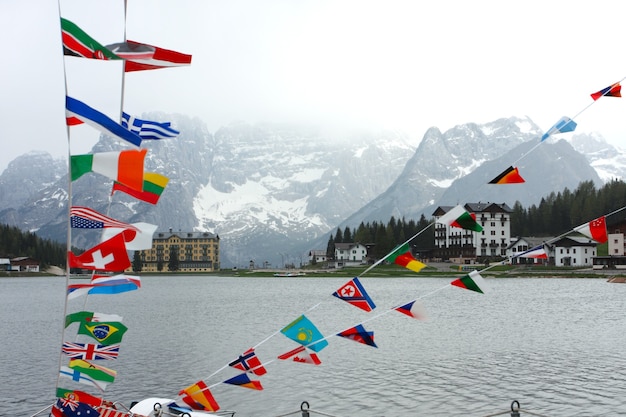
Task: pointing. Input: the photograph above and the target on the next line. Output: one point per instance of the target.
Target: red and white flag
(109, 255)
(595, 229)
(302, 355)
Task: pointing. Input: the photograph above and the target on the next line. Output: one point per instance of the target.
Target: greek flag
(147, 129)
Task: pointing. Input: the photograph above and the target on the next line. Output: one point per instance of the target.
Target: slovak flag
(109, 255)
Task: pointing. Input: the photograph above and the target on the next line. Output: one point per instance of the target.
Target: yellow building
(195, 251)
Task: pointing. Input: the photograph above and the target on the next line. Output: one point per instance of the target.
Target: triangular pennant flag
(614, 90)
(402, 256)
(109, 255)
(413, 309)
(538, 252)
(461, 218)
(244, 381)
(564, 125)
(595, 229)
(249, 362)
(473, 282)
(302, 331)
(141, 56)
(125, 167)
(153, 186)
(199, 397)
(359, 334)
(354, 293)
(509, 176)
(301, 355)
(79, 110)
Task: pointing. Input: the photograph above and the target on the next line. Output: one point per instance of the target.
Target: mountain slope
(262, 189)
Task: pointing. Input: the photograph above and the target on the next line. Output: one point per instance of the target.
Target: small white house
(317, 256)
(5, 264)
(520, 245)
(350, 254)
(574, 251)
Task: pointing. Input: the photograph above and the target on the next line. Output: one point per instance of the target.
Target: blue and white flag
(75, 109)
(564, 125)
(147, 129)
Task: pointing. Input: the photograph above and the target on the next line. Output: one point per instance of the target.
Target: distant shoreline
(391, 271)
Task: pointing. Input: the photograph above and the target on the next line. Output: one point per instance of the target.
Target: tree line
(384, 237)
(560, 212)
(15, 243)
(555, 214)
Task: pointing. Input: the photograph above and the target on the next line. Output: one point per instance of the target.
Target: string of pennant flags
(80, 361)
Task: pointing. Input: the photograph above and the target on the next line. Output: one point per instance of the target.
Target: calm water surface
(555, 345)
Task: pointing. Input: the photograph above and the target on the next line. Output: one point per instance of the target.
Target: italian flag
(595, 229)
(461, 218)
(125, 167)
(402, 256)
(472, 281)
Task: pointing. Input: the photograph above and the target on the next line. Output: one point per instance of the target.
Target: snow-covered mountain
(266, 190)
(272, 192)
(608, 160)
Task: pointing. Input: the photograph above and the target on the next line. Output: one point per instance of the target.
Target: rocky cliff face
(272, 192)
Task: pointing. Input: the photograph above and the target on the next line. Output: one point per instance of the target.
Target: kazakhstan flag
(301, 330)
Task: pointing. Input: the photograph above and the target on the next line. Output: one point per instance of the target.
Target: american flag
(86, 218)
(90, 351)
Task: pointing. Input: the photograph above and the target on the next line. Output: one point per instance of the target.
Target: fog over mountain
(272, 192)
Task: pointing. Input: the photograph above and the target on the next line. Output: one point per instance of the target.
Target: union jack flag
(249, 362)
(90, 351)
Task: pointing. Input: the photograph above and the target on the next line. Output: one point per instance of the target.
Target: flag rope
(571, 119)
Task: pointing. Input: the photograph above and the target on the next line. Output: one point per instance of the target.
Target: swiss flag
(109, 255)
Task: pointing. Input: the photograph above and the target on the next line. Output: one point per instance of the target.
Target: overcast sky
(395, 64)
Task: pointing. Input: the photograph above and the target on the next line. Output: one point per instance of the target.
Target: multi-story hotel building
(467, 245)
(196, 252)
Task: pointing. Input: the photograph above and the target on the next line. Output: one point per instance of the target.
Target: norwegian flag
(249, 362)
(90, 351)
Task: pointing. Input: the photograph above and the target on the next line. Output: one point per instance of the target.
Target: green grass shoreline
(392, 271)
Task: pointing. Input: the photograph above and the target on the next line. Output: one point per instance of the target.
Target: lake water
(555, 345)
